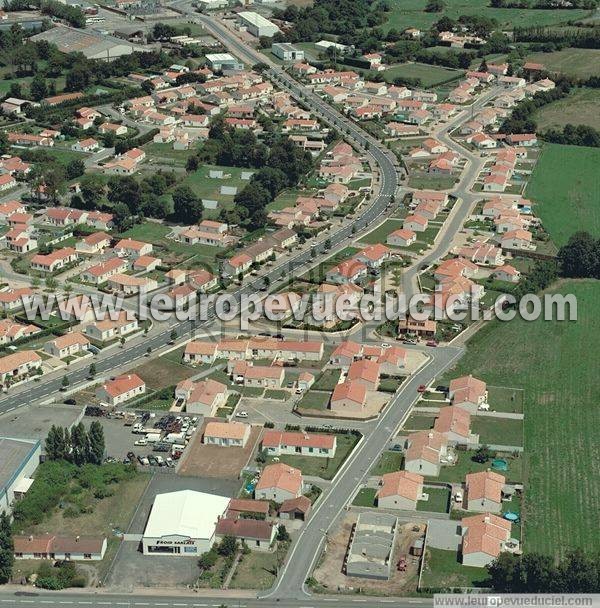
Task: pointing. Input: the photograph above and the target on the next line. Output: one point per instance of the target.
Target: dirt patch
(160, 373)
(201, 460)
(329, 571)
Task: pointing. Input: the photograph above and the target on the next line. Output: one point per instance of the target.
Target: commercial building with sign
(183, 523)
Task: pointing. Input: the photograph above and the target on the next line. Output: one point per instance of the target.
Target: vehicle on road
(431, 343)
(422, 388)
(241, 414)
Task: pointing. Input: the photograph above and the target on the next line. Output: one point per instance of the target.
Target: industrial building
(183, 523)
(19, 458)
(371, 546)
(287, 52)
(92, 44)
(257, 25)
(222, 62)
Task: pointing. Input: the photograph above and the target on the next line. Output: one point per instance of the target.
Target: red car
(431, 343)
(422, 388)
(402, 564)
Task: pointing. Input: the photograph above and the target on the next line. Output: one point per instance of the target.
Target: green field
(581, 107)
(443, 569)
(430, 75)
(580, 63)
(365, 498)
(410, 13)
(498, 431)
(556, 364)
(380, 234)
(566, 188)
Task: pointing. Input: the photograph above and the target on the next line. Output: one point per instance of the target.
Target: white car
(241, 415)
(141, 442)
(386, 345)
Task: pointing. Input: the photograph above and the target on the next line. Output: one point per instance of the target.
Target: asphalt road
(78, 600)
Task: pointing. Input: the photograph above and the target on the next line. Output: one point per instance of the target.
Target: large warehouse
(183, 523)
(92, 44)
(257, 25)
(19, 459)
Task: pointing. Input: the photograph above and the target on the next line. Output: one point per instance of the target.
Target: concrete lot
(132, 569)
(34, 422)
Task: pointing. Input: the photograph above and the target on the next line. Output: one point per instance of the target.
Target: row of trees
(7, 557)
(580, 37)
(580, 257)
(78, 445)
(576, 572)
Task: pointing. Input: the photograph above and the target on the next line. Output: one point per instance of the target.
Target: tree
(435, 6)
(192, 164)
(92, 370)
(65, 382)
(38, 88)
(6, 549)
(4, 143)
(282, 534)
(95, 443)
(80, 447)
(580, 257)
(92, 190)
(208, 560)
(228, 546)
(483, 454)
(187, 207)
(125, 190)
(75, 168)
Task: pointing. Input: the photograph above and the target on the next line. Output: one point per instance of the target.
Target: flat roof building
(223, 61)
(19, 458)
(257, 25)
(183, 523)
(287, 52)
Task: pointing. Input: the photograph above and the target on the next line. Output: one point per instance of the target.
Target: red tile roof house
(455, 423)
(401, 238)
(54, 261)
(100, 273)
(277, 443)
(93, 243)
(50, 546)
(468, 393)
(425, 452)
(204, 397)
(295, 508)
(279, 482)
(400, 490)
(484, 492)
(260, 376)
(373, 255)
(15, 367)
(349, 271)
(11, 330)
(364, 372)
(67, 345)
(132, 248)
(484, 538)
(109, 329)
(258, 534)
(240, 506)
(346, 353)
(227, 434)
(507, 273)
(416, 223)
(349, 398)
(121, 389)
(199, 352)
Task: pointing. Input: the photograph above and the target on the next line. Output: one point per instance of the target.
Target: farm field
(555, 363)
(410, 13)
(565, 187)
(429, 75)
(581, 107)
(580, 63)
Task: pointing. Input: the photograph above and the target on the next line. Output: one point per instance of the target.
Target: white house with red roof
(277, 443)
(121, 389)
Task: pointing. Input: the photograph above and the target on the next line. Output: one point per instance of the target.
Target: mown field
(581, 107)
(566, 188)
(556, 365)
(580, 63)
(410, 13)
(429, 75)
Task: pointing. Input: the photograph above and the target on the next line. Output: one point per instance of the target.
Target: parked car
(431, 343)
(141, 442)
(241, 414)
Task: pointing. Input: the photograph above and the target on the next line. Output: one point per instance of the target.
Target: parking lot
(120, 439)
(132, 569)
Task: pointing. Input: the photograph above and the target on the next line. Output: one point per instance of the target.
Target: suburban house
(349, 271)
(295, 508)
(260, 376)
(484, 491)
(468, 393)
(93, 243)
(279, 482)
(277, 443)
(197, 351)
(401, 238)
(132, 248)
(17, 366)
(227, 434)
(365, 372)
(400, 490)
(258, 534)
(455, 423)
(111, 329)
(415, 223)
(121, 389)
(68, 345)
(204, 397)
(60, 548)
(54, 261)
(425, 451)
(348, 397)
(484, 537)
(100, 273)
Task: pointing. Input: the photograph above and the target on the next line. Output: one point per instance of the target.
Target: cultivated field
(566, 189)
(429, 75)
(410, 13)
(580, 63)
(582, 107)
(556, 364)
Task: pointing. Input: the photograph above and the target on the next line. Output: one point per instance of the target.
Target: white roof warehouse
(183, 523)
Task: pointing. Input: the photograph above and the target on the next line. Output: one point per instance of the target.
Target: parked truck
(175, 438)
(153, 437)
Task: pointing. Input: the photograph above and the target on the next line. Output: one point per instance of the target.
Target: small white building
(256, 24)
(287, 52)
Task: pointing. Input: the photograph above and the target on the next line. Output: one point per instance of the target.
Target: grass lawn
(443, 569)
(165, 155)
(314, 400)
(380, 234)
(439, 500)
(581, 107)
(257, 570)
(327, 380)
(418, 422)
(556, 364)
(505, 399)
(566, 189)
(498, 431)
(579, 63)
(274, 394)
(325, 468)
(410, 13)
(209, 188)
(365, 498)
(429, 75)
(287, 198)
(466, 465)
(431, 182)
(389, 462)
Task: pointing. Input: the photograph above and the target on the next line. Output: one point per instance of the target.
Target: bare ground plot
(201, 460)
(161, 372)
(329, 573)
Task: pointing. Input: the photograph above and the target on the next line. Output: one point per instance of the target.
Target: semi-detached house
(121, 389)
(277, 443)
